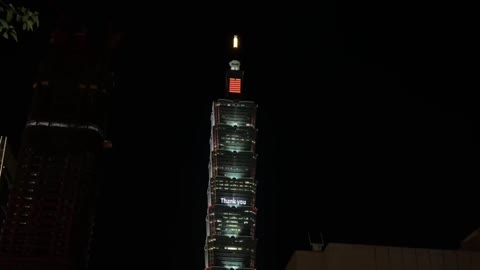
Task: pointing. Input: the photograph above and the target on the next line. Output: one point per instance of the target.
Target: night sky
(368, 125)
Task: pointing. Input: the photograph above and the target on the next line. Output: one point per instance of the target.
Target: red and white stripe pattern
(235, 85)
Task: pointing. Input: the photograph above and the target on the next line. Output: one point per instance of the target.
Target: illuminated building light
(235, 41)
(33, 123)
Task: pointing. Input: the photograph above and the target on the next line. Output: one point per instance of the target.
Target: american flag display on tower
(235, 85)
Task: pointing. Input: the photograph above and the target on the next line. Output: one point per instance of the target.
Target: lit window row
(235, 189)
(219, 180)
(227, 184)
(232, 139)
(231, 221)
(232, 104)
(234, 248)
(237, 217)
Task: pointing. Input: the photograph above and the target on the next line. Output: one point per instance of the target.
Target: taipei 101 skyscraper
(231, 214)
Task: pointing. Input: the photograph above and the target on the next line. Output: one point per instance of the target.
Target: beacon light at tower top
(235, 41)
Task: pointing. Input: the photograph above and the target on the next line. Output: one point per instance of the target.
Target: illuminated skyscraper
(231, 214)
(49, 216)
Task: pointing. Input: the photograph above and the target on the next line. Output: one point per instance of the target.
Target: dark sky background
(368, 124)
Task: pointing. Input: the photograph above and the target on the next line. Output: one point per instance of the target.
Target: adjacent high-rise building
(7, 173)
(339, 256)
(472, 242)
(50, 211)
(231, 214)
